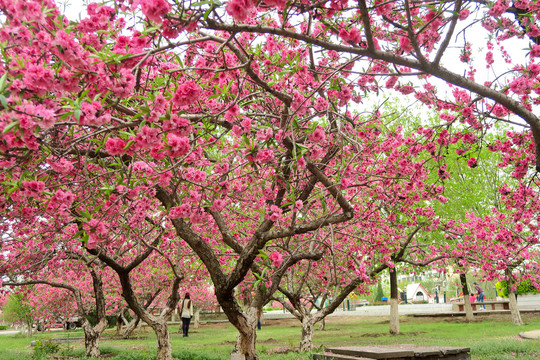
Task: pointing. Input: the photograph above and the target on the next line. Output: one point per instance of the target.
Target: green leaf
(207, 13)
(3, 101)
(3, 81)
(77, 114)
(129, 143)
(10, 126)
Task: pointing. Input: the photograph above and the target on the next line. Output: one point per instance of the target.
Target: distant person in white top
(186, 313)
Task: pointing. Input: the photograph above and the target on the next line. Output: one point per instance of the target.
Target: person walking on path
(186, 313)
(481, 295)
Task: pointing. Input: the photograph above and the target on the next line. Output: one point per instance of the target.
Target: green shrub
(523, 288)
(526, 287)
(4, 327)
(44, 348)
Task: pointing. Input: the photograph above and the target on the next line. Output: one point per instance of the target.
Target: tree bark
(164, 343)
(308, 325)
(394, 311)
(92, 335)
(514, 311)
(466, 298)
(247, 336)
(131, 326)
(91, 343)
(197, 319)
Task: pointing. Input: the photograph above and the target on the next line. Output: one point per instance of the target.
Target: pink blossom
(472, 163)
(464, 14)
(218, 205)
(535, 51)
(165, 178)
(186, 93)
(392, 80)
(240, 9)
(318, 136)
(354, 35)
(197, 216)
(265, 156)
(406, 89)
(38, 78)
(499, 8)
(264, 134)
(321, 104)
(34, 186)
(61, 166)
(274, 213)
(115, 146)
(489, 58)
(195, 175)
(221, 168)
(155, 9)
(276, 258)
(179, 145)
(405, 44)
(182, 211)
(299, 204)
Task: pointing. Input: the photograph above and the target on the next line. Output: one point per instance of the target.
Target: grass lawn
(490, 338)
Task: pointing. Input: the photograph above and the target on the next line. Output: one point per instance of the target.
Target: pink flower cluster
(276, 258)
(218, 205)
(178, 145)
(186, 93)
(265, 156)
(353, 36)
(182, 211)
(321, 104)
(318, 136)
(115, 146)
(499, 8)
(274, 213)
(97, 231)
(154, 10)
(240, 9)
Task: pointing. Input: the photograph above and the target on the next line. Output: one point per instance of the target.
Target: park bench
(394, 352)
(490, 305)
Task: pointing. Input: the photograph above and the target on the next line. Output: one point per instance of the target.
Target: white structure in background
(417, 293)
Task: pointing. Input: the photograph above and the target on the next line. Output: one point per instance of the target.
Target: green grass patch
(490, 338)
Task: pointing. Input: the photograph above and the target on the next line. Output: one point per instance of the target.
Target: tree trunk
(514, 311)
(163, 341)
(322, 325)
(308, 325)
(466, 298)
(394, 311)
(119, 325)
(131, 326)
(29, 329)
(197, 319)
(91, 343)
(247, 336)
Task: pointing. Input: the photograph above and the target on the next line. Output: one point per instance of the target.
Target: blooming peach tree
(231, 130)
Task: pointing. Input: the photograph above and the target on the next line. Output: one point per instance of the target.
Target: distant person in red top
(480, 296)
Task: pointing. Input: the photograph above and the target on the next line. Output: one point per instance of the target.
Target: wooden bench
(490, 305)
(394, 352)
